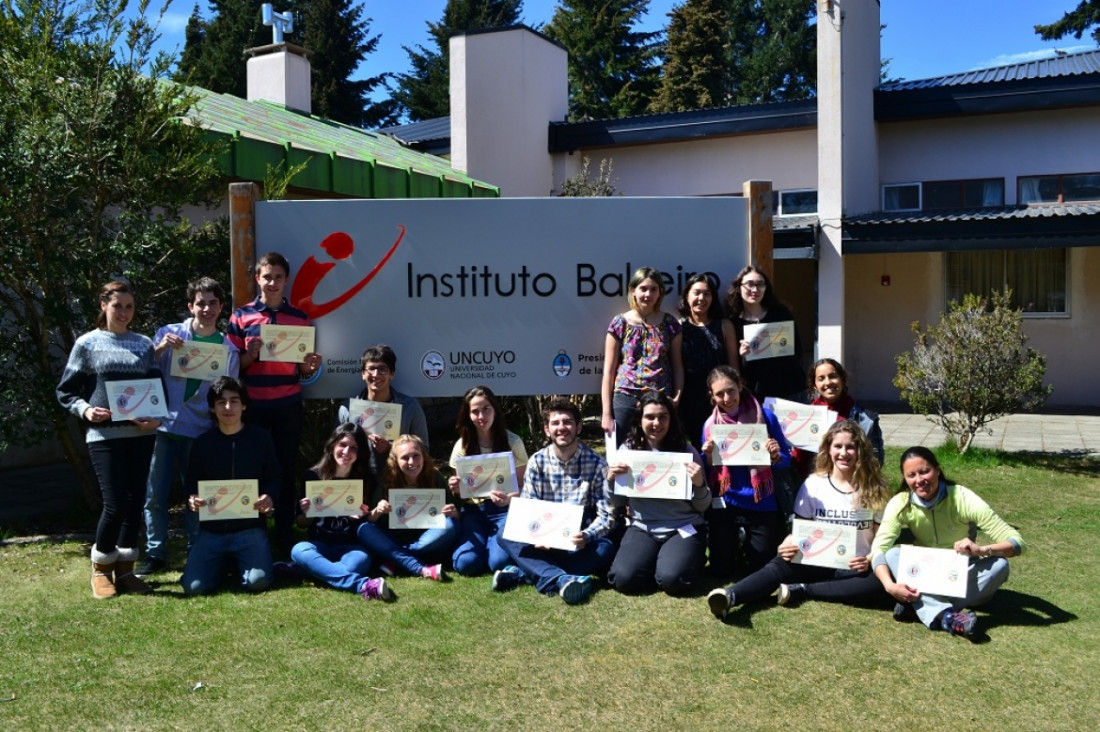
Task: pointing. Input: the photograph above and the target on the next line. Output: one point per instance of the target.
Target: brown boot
(125, 579)
(103, 568)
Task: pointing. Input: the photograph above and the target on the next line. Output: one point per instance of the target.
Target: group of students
(667, 382)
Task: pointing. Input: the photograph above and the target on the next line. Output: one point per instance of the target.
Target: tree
(696, 72)
(95, 171)
(774, 51)
(213, 52)
(1086, 15)
(612, 67)
(426, 92)
(972, 368)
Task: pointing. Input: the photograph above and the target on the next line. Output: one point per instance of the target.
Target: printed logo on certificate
(653, 474)
(740, 444)
(803, 424)
(769, 340)
(479, 475)
(823, 544)
(376, 418)
(136, 398)
(228, 499)
(198, 360)
(417, 508)
(933, 571)
(543, 523)
(334, 497)
(287, 343)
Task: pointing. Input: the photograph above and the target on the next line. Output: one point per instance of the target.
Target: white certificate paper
(740, 444)
(334, 497)
(198, 360)
(417, 508)
(479, 475)
(543, 523)
(803, 424)
(933, 571)
(228, 499)
(136, 398)
(823, 544)
(769, 340)
(376, 418)
(653, 474)
(287, 343)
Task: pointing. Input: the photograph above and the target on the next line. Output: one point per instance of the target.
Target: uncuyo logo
(433, 365)
(339, 246)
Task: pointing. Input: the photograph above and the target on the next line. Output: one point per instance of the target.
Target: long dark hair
(920, 451)
(735, 306)
(674, 440)
(715, 311)
(326, 466)
(811, 375)
(467, 432)
(109, 290)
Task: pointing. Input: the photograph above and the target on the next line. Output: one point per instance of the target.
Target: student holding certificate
(708, 341)
(416, 552)
(846, 488)
(482, 431)
(119, 449)
(666, 542)
(944, 515)
(745, 495)
(751, 300)
(332, 554)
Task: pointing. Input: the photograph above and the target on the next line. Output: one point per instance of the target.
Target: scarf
(843, 406)
(760, 476)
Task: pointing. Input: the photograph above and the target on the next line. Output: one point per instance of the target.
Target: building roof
(339, 159)
(429, 135)
(1057, 66)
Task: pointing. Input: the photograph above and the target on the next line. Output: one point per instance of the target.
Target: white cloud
(1006, 59)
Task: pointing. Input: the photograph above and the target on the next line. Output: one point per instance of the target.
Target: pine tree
(218, 64)
(425, 93)
(696, 72)
(1075, 22)
(612, 67)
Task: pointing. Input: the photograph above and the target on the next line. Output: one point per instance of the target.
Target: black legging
(121, 467)
(822, 583)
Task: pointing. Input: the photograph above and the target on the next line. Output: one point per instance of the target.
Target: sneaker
(389, 569)
(963, 623)
(507, 578)
(904, 613)
(376, 589)
(287, 572)
(150, 565)
(434, 572)
(792, 594)
(575, 589)
(720, 602)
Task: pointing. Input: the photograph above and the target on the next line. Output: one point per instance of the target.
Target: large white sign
(512, 293)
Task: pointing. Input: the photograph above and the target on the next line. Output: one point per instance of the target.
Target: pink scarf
(760, 477)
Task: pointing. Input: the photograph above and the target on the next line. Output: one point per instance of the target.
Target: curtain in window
(993, 192)
(974, 272)
(1029, 191)
(1038, 279)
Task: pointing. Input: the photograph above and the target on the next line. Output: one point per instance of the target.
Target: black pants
(121, 467)
(285, 425)
(822, 583)
(671, 562)
(763, 532)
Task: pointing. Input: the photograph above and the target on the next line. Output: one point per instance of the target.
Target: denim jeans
(203, 572)
(431, 547)
(169, 464)
(479, 550)
(545, 567)
(343, 566)
(983, 578)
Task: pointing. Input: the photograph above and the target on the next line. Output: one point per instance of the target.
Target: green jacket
(958, 513)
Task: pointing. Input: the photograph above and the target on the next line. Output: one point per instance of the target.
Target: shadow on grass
(1010, 608)
(1071, 462)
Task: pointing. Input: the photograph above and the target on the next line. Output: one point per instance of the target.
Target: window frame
(1060, 201)
(920, 196)
(779, 202)
(1027, 315)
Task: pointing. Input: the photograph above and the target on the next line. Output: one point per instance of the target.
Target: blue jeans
(343, 566)
(544, 567)
(203, 572)
(983, 579)
(479, 550)
(169, 464)
(430, 548)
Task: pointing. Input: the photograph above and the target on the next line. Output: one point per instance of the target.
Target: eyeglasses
(755, 285)
(376, 370)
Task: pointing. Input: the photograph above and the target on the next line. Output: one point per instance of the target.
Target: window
(956, 194)
(901, 197)
(1037, 277)
(1059, 188)
(794, 202)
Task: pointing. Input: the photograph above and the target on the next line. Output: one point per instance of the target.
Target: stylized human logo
(338, 245)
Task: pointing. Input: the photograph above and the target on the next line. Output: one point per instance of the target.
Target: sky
(921, 39)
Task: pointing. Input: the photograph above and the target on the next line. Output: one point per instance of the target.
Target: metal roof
(1057, 66)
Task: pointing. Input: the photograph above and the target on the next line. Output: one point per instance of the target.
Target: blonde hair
(871, 488)
(397, 479)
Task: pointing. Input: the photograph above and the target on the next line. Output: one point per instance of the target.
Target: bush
(972, 368)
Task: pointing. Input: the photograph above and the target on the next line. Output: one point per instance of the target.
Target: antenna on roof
(280, 22)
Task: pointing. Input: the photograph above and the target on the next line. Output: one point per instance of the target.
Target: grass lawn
(457, 656)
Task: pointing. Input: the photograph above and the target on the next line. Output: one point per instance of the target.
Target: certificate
(653, 474)
(823, 544)
(769, 340)
(287, 343)
(198, 360)
(417, 508)
(610, 446)
(803, 424)
(334, 497)
(136, 398)
(228, 499)
(478, 475)
(376, 418)
(740, 444)
(933, 571)
(543, 523)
